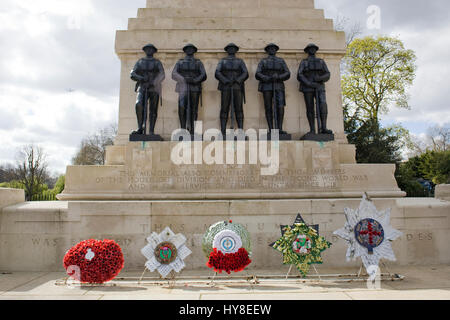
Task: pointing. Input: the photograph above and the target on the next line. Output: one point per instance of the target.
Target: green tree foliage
(375, 144)
(59, 185)
(435, 166)
(377, 72)
(431, 165)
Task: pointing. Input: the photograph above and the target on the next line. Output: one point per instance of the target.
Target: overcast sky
(59, 75)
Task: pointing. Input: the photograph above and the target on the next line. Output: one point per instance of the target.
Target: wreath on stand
(166, 252)
(301, 246)
(227, 247)
(94, 261)
(368, 233)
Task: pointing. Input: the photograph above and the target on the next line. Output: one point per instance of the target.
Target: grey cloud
(414, 15)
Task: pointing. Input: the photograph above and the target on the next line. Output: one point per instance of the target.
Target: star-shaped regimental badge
(368, 233)
(166, 252)
(301, 245)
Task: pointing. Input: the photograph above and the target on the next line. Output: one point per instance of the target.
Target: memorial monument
(146, 186)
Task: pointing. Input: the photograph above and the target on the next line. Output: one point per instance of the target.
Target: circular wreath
(227, 247)
(96, 261)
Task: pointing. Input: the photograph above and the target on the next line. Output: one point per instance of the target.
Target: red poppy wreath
(97, 261)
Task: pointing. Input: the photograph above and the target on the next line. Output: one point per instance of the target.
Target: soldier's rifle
(232, 115)
(189, 108)
(144, 127)
(319, 121)
(275, 114)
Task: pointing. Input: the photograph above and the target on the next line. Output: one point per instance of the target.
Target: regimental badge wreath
(368, 233)
(166, 252)
(227, 247)
(94, 261)
(301, 246)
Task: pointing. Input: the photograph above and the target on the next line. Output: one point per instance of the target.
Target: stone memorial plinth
(297, 170)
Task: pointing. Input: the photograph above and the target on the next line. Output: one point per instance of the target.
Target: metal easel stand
(314, 267)
(171, 279)
(387, 276)
(250, 278)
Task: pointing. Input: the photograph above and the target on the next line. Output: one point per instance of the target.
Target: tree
(375, 144)
(435, 166)
(351, 30)
(59, 185)
(31, 170)
(436, 139)
(6, 173)
(377, 72)
(93, 147)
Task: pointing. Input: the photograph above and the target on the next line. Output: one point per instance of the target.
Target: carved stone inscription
(232, 178)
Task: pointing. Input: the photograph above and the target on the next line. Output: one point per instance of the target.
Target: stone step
(230, 24)
(207, 12)
(304, 4)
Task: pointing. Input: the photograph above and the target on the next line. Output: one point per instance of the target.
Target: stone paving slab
(420, 283)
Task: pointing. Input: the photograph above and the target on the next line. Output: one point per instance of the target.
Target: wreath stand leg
(253, 279)
(290, 269)
(318, 274)
(212, 283)
(360, 270)
(172, 278)
(142, 276)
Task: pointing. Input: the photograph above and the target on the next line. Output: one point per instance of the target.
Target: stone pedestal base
(317, 137)
(145, 137)
(281, 137)
(229, 170)
(34, 236)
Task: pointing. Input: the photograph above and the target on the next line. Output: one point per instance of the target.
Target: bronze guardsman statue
(231, 73)
(312, 74)
(149, 73)
(189, 73)
(271, 73)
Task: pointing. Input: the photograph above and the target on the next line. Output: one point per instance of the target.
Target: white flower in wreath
(166, 252)
(368, 233)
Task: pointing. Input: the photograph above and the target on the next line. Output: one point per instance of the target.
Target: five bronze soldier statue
(231, 72)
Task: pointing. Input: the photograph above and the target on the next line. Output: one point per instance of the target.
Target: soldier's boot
(240, 123)
(140, 119)
(152, 124)
(280, 119)
(323, 119)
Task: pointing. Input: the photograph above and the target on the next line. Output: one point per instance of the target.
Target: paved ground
(421, 283)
